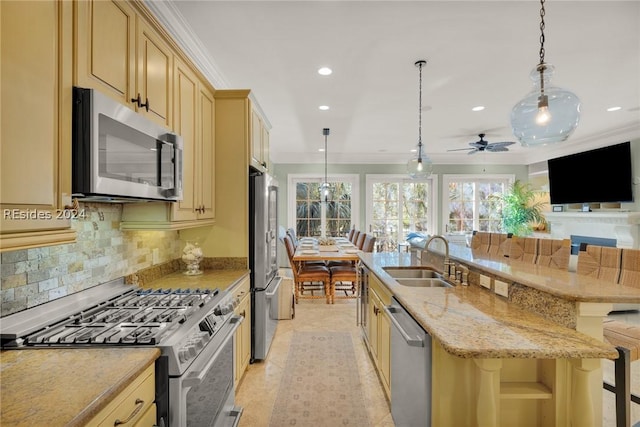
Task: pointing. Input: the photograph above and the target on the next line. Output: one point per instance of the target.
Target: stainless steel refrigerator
(263, 262)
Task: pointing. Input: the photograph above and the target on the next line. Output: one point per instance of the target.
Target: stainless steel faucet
(446, 247)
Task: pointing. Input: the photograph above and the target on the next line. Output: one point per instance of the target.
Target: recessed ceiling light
(614, 108)
(325, 71)
(321, 150)
(324, 107)
(478, 108)
(414, 150)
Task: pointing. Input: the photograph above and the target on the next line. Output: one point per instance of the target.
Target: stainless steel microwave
(119, 155)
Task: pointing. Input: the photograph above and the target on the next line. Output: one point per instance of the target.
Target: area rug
(321, 385)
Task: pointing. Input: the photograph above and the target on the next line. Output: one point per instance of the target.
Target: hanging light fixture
(547, 114)
(420, 167)
(324, 188)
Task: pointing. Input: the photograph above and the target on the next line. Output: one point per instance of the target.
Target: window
(472, 202)
(314, 218)
(397, 205)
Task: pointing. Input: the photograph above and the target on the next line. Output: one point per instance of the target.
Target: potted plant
(521, 210)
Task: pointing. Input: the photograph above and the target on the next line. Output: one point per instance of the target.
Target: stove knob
(218, 311)
(191, 349)
(198, 342)
(183, 355)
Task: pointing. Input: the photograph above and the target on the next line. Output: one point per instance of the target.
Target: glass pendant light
(420, 167)
(325, 192)
(547, 114)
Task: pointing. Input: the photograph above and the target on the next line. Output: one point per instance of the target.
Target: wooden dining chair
(308, 278)
(350, 235)
(369, 243)
(360, 240)
(354, 237)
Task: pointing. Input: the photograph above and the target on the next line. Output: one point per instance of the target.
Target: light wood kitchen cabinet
(121, 55)
(242, 340)
(380, 331)
(35, 123)
(133, 406)
(194, 121)
(154, 75)
(259, 142)
(106, 48)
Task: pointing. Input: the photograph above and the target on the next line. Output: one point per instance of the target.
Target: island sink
(424, 283)
(412, 273)
(423, 277)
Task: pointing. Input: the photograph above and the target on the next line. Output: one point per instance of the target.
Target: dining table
(334, 249)
(337, 249)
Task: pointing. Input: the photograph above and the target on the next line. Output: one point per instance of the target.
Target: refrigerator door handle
(275, 288)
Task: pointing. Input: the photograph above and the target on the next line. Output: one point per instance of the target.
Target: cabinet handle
(139, 405)
(243, 314)
(138, 102)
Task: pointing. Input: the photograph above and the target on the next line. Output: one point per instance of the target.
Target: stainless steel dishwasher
(410, 369)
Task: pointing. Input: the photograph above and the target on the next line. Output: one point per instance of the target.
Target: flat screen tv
(600, 175)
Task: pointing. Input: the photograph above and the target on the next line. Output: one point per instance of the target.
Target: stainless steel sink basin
(412, 273)
(424, 283)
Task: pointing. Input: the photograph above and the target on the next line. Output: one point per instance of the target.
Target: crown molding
(175, 24)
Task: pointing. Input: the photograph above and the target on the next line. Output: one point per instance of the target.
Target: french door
(397, 206)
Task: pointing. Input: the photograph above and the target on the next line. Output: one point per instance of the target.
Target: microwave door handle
(170, 142)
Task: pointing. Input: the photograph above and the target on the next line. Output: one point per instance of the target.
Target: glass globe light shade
(545, 117)
(420, 167)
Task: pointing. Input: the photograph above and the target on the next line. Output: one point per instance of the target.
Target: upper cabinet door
(106, 48)
(186, 105)
(155, 65)
(35, 117)
(207, 154)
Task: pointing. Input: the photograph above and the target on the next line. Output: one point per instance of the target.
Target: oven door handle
(274, 292)
(196, 375)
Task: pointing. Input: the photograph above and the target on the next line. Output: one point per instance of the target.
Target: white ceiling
(478, 53)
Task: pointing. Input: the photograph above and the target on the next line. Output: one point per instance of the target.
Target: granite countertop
(471, 322)
(565, 284)
(210, 279)
(67, 387)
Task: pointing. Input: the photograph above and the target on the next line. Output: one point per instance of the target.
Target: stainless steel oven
(204, 394)
(193, 328)
(120, 155)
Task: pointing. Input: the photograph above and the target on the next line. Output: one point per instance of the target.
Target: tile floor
(258, 389)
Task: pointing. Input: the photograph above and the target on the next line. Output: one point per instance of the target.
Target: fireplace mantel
(622, 226)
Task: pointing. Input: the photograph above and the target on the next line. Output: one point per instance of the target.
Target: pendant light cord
(542, 13)
(541, 65)
(420, 64)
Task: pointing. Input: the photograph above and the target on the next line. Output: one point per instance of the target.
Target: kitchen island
(488, 349)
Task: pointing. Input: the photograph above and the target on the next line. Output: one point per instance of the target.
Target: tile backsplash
(102, 252)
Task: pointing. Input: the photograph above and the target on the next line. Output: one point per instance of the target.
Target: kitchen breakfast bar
(528, 359)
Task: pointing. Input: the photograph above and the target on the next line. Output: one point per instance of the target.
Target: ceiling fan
(483, 145)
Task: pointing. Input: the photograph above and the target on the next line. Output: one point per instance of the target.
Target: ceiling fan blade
(473, 151)
(478, 145)
(495, 149)
(462, 149)
(501, 144)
